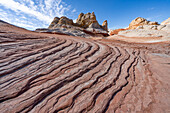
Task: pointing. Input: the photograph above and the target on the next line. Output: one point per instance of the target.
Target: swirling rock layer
(47, 73)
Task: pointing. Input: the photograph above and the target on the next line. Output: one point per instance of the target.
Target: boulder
(139, 22)
(166, 22)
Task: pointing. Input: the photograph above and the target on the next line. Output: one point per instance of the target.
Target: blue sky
(32, 14)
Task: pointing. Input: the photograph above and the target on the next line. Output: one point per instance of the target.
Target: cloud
(16, 6)
(74, 10)
(152, 8)
(32, 13)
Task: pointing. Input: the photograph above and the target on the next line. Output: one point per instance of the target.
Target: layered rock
(86, 25)
(47, 73)
(139, 22)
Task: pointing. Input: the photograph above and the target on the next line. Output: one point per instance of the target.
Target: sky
(32, 14)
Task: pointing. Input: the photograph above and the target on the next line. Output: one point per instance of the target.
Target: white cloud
(11, 4)
(74, 10)
(33, 12)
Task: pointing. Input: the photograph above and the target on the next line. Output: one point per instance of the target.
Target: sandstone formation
(105, 25)
(60, 21)
(54, 22)
(42, 73)
(85, 26)
(145, 33)
(140, 27)
(139, 22)
(149, 31)
(166, 22)
(88, 20)
(116, 31)
(165, 28)
(64, 30)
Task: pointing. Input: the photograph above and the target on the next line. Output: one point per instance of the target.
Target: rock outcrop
(47, 73)
(116, 31)
(145, 33)
(54, 22)
(105, 25)
(165, 28)
(151, 31)
(139, 22)
(85, 25)
(140, 27)
(166, 22)
(88, 20)
(60, 21)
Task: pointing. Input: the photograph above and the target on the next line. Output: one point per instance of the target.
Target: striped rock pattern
(47, 73)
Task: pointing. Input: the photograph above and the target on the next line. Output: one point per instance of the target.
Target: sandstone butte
(52, 73)
(83, 20)
(139, 21)
(86, 26)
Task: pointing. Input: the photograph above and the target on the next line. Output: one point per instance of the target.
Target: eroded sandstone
(42, 73)
(86, 26)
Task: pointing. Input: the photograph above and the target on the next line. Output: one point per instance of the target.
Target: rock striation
(139, 21)
(47, 73)
(86, 26)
